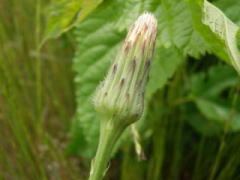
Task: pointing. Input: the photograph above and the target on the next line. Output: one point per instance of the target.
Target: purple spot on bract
(137, 37)
(122, 82)
(102, 84)
(134, 63)
(145, 27)
(143, 47)
(114, 68)
(148, 63)
(127, 47)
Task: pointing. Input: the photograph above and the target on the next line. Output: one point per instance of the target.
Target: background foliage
(192, 115)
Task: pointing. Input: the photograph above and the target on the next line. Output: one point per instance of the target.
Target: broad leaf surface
(100, 35)
(98, 43)
(175, 24)
(231, 8)
(219, 32)
(99, 39)
(213, 98)
(64, 14)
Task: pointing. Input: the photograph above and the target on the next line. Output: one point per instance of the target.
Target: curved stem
(109, 135)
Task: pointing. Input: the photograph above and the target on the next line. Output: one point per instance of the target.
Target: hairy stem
(109, 135)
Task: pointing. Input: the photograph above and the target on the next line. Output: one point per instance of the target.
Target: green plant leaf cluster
(213, 95)
(62, 15)
(185, 30)
(218, 31)
(191, 124)
(92, 61)
(231, 9)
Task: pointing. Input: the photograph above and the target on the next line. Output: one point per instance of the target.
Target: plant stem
(156, 163)
(109, 134)
(223, 143)
(217, 160)
(199, 158)
(38, 63)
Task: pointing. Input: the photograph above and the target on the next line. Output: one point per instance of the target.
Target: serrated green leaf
(99, 37)
(175, 24)
(64, 14)
(165, 63)
(98, 41)
(133, 7)
(217, 30)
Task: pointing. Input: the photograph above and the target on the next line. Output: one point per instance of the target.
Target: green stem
(156, 161)
(109, 134)
(222, 145)
(199, 158)
(217, 160)
(38, 64)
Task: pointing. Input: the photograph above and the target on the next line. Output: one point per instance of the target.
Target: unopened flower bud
(121, 94)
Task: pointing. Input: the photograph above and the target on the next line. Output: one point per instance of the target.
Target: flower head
(121, 94)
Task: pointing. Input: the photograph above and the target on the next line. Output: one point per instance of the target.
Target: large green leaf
(98, 39)
(225, 114)
(100, 35)
(211, 94)
(165, 63)
(200, 123)
(219, 32)
(175, 24)
(131, 9)
(231, 8)
(98, 43)
(213, 82)
(64, 14)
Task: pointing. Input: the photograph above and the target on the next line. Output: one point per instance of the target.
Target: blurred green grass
(36, 96)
